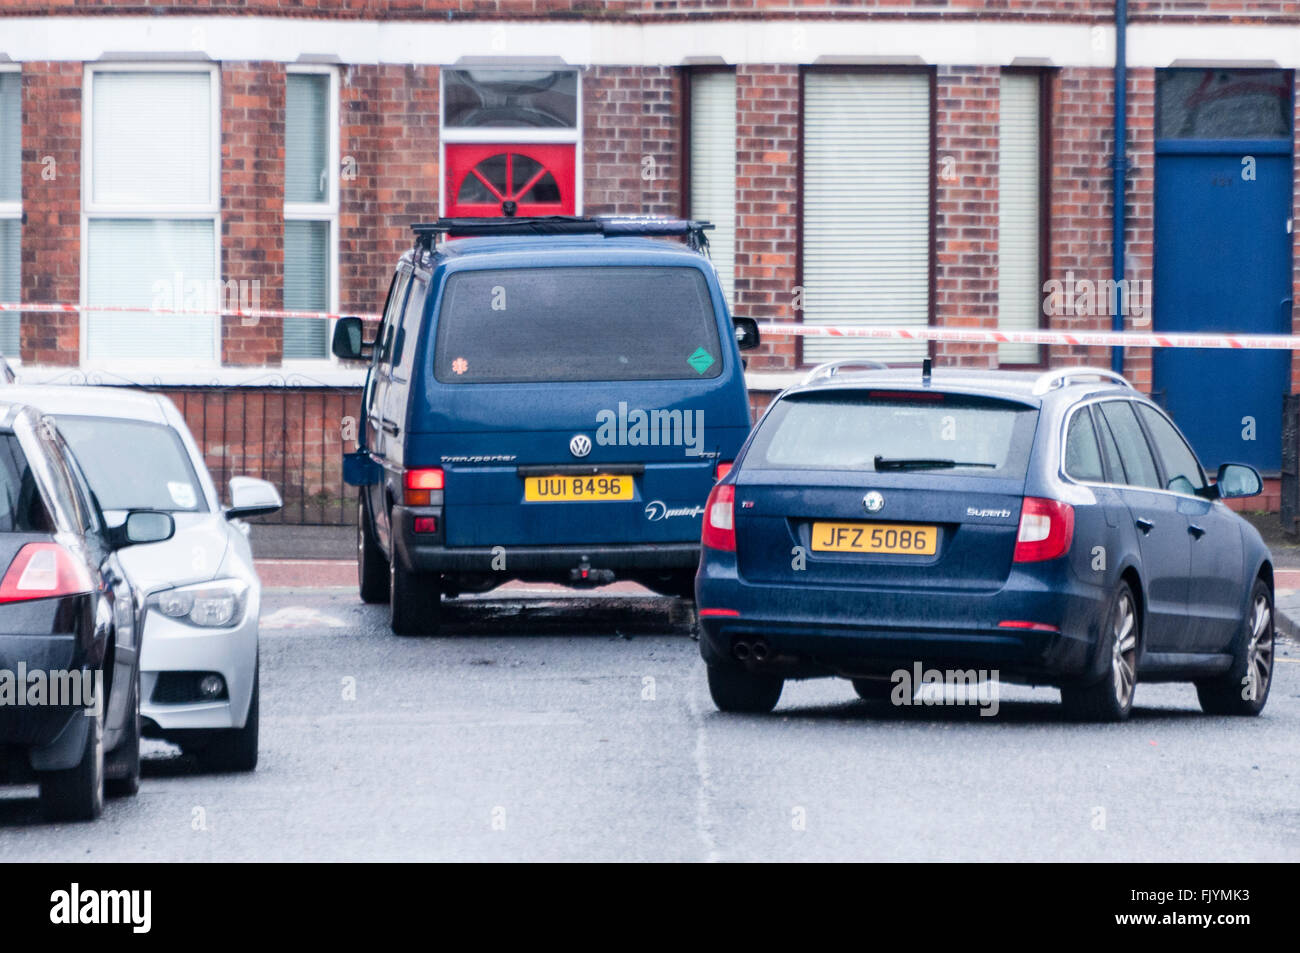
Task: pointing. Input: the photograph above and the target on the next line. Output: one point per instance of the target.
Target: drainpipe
(1119, 168)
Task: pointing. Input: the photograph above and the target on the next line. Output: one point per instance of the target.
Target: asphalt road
(581, 729)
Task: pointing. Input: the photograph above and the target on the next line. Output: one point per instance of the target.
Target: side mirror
(746, 333)
(349, 341)
(142, 526)
(1237, 480)
(252, 497)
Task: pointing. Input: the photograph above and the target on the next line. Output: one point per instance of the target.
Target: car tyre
(738, 690)
(122, 766)
(230, 750)
(1111, 697)
(1243, 688)
(415, 601)
(372, 567)
(77, 794)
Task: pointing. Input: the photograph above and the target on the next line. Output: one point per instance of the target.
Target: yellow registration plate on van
(574, 489)
(889, 538)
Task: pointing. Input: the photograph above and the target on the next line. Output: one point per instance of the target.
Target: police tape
(961, 335)
(1266, 342)
(45, 307)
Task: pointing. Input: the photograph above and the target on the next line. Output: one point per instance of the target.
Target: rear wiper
(925, 463)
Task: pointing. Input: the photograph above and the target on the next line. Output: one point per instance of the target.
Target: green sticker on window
(701, 360)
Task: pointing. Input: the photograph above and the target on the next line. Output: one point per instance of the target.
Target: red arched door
(510, 179)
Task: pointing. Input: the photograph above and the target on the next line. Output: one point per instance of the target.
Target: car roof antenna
(925, 372)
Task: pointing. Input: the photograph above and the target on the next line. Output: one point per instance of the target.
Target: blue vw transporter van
(548, 399)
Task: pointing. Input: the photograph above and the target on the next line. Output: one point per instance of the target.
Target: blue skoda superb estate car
(1051, 528)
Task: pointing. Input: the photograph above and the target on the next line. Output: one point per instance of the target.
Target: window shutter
(713, 167)
(306, 288)
(1019, 294)
(866, 210)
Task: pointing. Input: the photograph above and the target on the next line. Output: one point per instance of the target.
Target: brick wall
(656, 10)
(252, 204)
(51, 183)
(767, 224)
(966, 209)
(631, 149)
(389, 146)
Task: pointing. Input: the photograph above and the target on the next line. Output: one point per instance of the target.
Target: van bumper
(420, 553)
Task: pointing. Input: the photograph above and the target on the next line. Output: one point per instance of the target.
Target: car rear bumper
(811, 631)
(546, 561)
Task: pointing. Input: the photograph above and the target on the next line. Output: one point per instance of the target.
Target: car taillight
(1046, 530)
(720, 519)
(417, 485)
(43, 571)
(722, 469)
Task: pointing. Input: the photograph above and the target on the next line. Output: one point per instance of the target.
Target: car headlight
(217, 604)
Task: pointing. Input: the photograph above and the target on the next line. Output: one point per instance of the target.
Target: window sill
(252, 377)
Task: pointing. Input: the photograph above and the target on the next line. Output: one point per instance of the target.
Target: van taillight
(43, 571)
(417, 484)
(720, 519)
(1046, 530)
(722, 469)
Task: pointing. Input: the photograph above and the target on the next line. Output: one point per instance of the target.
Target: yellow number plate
(875, 538)
(568, 489)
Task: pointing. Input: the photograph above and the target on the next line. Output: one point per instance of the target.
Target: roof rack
(427, 233)
(831, 368)
(1063, 376)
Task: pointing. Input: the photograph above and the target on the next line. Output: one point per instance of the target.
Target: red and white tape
(50, 308)
(1266, 342)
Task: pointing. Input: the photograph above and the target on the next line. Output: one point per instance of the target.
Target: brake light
(722, 469)
(418, 483)
(43, 571)
(1046, 530)
(720, 519)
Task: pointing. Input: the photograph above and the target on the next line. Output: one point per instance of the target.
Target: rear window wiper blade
(925, 463)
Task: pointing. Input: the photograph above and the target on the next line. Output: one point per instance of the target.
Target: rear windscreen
(576, 324)
(21, 508)
(978, 436)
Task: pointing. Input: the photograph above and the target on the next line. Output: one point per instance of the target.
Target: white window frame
(510, 135)
(14, 210)
(327, 211)
(90, 209)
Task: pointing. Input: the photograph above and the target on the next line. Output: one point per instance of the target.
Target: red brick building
(942, 163)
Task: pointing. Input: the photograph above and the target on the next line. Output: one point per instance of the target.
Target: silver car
(201, 595)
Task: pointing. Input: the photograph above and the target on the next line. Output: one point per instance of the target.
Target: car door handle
(1145, 525)
(1196, 531)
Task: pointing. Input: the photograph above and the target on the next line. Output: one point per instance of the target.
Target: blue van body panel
(481, 434)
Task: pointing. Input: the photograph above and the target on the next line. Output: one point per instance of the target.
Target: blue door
(1223, 263)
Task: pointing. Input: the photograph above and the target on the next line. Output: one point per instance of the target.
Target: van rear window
(599, 323)
(930, 432)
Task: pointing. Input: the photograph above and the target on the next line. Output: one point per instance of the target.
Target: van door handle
(1145, 525)
(1196, 531)
(390, 428)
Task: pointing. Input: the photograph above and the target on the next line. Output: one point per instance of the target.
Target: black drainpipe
(1119, 167)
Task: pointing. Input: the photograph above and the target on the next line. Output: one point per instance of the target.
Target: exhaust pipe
(741, 651)
(759, 651)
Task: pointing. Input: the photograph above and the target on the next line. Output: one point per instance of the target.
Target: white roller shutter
(1019, 294)
(713, 166)
(866, 209)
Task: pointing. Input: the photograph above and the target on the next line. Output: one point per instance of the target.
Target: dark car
(548, 399)
(1054, 529)
(69, 642)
